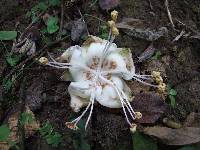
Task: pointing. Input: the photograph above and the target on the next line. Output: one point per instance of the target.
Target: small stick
(179, 36)
(83, 21)
(150, 4)
(169, 14)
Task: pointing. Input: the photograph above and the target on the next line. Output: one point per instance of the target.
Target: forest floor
(46, 94)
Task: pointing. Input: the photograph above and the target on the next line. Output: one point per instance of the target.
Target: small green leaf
(172, 101)
(54, 2)
(8, 35)
(26, 118)
(52, 26)
(142, 142)
(12, 60)
(4, 133)
(46, 129)
(157, 55)
(42, 6)
(172, 92)
(7, 84)
(54, 139)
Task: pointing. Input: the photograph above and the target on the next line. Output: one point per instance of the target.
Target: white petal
(77, 58)
(81, 89)
(109, 97)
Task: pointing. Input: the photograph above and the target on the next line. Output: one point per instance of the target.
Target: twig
(95, 18)
(179, 36)
(61, 20)
(150, 4)
(169, 14)
(83, 20)
(187, 27)
(39, 52)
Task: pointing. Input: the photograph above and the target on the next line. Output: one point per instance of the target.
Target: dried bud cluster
(158, 79)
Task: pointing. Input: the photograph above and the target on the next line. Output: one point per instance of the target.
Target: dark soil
(180, 64)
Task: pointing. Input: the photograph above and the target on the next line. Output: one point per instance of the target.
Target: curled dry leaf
(108, 4)
(78, 28)
(148, 52)
(150, 105)
(27, 41)
(182, 136)
(140, 29)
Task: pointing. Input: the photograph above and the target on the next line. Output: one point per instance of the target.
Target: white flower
(98, 70)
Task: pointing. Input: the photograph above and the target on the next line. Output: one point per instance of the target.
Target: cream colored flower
(98, 70)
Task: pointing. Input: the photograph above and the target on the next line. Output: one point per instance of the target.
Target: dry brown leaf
(193, 119)
(150, 105)
(141, 29)
(13, 122)
(182, 136)
(108, 4)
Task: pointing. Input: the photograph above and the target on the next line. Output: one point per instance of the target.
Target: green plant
(7, 84)
(143, 142)
(103, 32)
(12, 59)
(8, 35)
(157, 55)
(52, 25)
(41, 7)
(79, 142)
(25, 118)
(53, 138)
(4, 133)
(172, 96)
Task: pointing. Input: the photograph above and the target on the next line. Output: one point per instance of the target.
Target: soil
(180, 64)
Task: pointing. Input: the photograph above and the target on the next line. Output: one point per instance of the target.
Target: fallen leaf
(148, 52)
(108, 4)
(141, 29)
(192, 120)
(78, 29)
(13, 123)
(182, 136)
(150, 105)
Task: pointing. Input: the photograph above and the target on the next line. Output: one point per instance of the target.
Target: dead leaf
(148, 52)
(150, 105)
(182, 136)
(141, 29)
(192, 120)
(108, 4)
(78, 28)
(13, 122)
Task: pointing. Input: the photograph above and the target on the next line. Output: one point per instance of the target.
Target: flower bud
(43, 60)
(111, 23)
(115, 31)
(133, 128)
(114, 15)
(138, 115)
(162, 88)
(156, 74)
